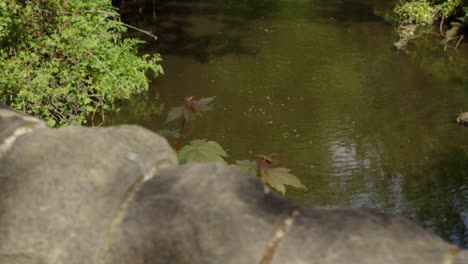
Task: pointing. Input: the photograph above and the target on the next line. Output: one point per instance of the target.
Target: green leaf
(277, 178)
(71, 52)
(200, 150)
(248, 165)
(169, 133)
(174, 113)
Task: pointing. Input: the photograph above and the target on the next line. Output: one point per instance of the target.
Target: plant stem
(259, 170)
(181, 133)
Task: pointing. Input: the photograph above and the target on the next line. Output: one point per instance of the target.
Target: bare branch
(141, 30)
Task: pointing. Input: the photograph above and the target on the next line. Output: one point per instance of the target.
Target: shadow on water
(336, 11)
(180, 26)
(445, 191)
(178, 22)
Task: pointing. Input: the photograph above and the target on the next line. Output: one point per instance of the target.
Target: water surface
(318, 83)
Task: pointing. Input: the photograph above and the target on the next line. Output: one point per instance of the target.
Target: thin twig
(92, 117)
(102, 116)
(101, 104)
(440, 27)
(461, 37)
(181, 134)
(141, 30)
(105, 67)
(113, 14)
(92, 30)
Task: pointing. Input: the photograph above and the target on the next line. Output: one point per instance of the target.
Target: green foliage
(200, 150)
(62, 60)
(425, 12)
(276, 178)
(417, 12)
(464, 17)
(446, 8)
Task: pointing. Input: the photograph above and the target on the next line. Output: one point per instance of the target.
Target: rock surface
(116, 195)
(61, 189)
(14, 125)
(213, 214)
(204, 214)
(462, 119)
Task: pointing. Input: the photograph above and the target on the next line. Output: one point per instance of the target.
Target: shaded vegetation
(415, 14)
(63, 61)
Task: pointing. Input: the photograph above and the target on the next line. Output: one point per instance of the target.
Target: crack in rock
(281, 231)
(10, 118)
(9, 141)
(117, 220)
(147, 174)
(449, 257)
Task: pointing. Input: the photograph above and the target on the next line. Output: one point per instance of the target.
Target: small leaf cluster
(63, 60)
(447, 8)
(464, 16)
(198, 150)
(190, 109)
(418, 12)
(425, 12)
(276, 178)
(201, 150)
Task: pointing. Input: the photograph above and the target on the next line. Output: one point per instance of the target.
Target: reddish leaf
(206, 100)
(188, 113)
(202, 104)
(200, 107)
(266, 161)
(174, 113)
(192, 107)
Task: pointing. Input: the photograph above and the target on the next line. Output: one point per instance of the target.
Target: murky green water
(318, 83)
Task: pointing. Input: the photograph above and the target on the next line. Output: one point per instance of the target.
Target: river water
(318, 83)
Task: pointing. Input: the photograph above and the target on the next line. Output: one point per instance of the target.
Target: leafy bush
(425, 12)
(464, 17)
(418, 12)
(447, 8)
(63, 60)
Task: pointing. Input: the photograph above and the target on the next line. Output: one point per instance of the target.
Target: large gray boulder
(62, 189)
(209, 214)
(116, 195)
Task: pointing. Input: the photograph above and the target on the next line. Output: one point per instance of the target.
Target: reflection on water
(317, 82)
